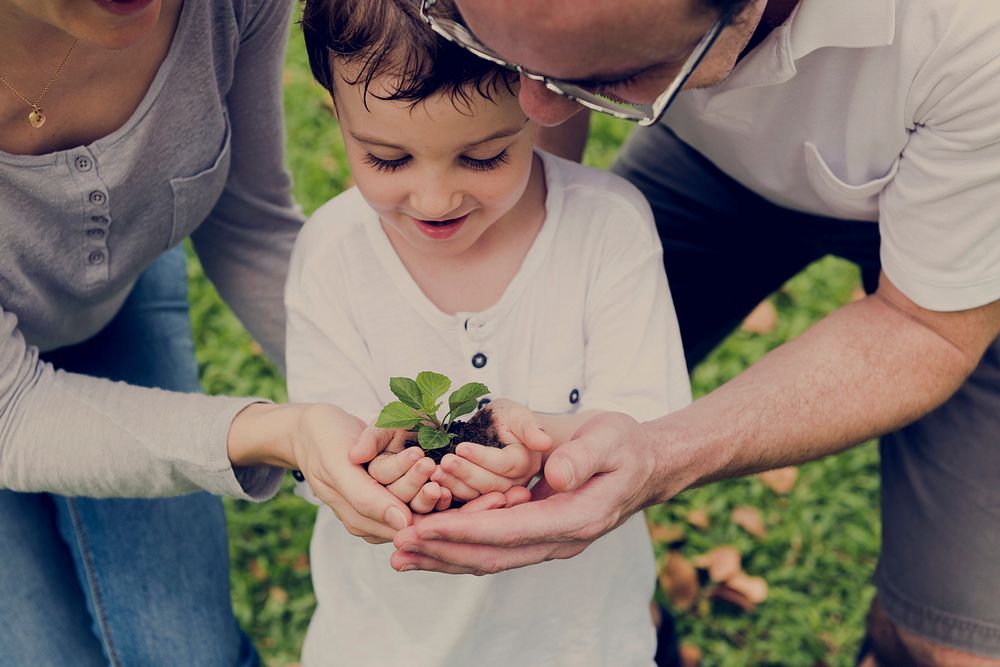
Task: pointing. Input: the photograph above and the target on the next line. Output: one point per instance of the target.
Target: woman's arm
(78, 435)
(245, 243)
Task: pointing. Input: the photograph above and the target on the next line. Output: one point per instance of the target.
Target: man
(802, 122)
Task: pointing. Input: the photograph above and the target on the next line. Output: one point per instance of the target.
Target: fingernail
(567, 471)
(462, 449)
(394, 518)
(430, 536)
(408, 568)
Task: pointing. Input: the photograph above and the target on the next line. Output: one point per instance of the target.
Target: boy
(464, 251)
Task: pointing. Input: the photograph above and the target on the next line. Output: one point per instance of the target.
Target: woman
(125, 127)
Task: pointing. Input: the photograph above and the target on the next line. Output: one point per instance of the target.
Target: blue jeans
(122, 582)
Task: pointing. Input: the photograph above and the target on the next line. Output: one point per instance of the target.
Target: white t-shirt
(587, 323)
(880, 110)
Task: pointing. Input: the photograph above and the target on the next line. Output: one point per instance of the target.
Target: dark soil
(478, 429)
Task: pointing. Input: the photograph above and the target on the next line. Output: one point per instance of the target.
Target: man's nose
(542, 105)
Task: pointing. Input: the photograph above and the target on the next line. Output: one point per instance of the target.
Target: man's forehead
(580, 38)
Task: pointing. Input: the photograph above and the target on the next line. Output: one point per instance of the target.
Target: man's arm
(866, 369)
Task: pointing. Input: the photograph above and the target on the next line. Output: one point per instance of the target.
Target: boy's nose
(435, 203)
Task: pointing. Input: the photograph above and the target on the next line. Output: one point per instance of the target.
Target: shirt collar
(817, 24)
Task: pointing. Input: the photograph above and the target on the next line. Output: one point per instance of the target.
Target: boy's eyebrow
(499, 134)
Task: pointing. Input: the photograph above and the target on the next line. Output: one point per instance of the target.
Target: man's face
(627, 49)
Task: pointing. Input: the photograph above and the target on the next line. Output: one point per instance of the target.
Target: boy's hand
(405, 474)
(403, 470)
(478, 469)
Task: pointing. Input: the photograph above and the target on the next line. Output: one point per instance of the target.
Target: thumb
(577, 461)
(372, 442)
(525, 429)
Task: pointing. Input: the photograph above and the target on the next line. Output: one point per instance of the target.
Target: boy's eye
(385, 166)
(486, 164)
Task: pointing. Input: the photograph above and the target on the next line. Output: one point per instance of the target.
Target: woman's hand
(316, 438)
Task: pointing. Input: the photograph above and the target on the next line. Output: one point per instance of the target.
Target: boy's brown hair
(388, 37)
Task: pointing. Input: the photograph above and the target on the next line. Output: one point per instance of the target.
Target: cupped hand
(321, 444)
(407, 475)
(592, 484)
(476, 469)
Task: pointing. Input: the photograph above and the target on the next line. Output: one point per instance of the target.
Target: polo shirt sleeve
(634, 356)
(940, 216)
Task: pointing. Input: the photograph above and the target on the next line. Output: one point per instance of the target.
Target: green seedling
(419, 402)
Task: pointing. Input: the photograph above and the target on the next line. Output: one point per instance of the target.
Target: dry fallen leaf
(750, 520)
(698, 518)
(781, 481)
(724, 593)
(666, 533)
(690, 655)
(753, 589)
(278, 594)
(257, 571)
(762, 319)
(721, 562)
(680, 581)
(301, 564)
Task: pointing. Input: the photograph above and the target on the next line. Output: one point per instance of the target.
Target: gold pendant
(36, 118)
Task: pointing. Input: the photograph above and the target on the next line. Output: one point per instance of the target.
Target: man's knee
(894, 646)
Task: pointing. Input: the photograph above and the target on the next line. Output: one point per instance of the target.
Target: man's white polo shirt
(879, 110)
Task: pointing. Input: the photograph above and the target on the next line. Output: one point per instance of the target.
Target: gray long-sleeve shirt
(202, 156)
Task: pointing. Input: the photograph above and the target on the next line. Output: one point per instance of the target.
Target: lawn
(819, 542)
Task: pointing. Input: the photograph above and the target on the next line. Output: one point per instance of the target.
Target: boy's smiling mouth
(441, 229)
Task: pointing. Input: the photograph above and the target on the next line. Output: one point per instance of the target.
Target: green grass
(822, 539)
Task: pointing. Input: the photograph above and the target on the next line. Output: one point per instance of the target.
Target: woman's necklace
(37, 117)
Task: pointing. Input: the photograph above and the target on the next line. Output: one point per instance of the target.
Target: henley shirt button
(479, 360)
(466, 325)
(298, 476)
(95, 233)
(84, 163)
(574, 396)
(96, 257)
(98, 197)
(99, 219)
(483, 402)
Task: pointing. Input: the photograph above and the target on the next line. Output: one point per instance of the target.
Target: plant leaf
(432, 387)
(472, 391)
(432, 438)
(463, 408)
(398, 415)
(406, 390)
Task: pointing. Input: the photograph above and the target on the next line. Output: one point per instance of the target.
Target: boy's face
(438, 176)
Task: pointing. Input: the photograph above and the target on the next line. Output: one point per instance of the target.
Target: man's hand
(592, 484)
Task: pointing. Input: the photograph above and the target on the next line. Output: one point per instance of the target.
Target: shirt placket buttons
(95, 229)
